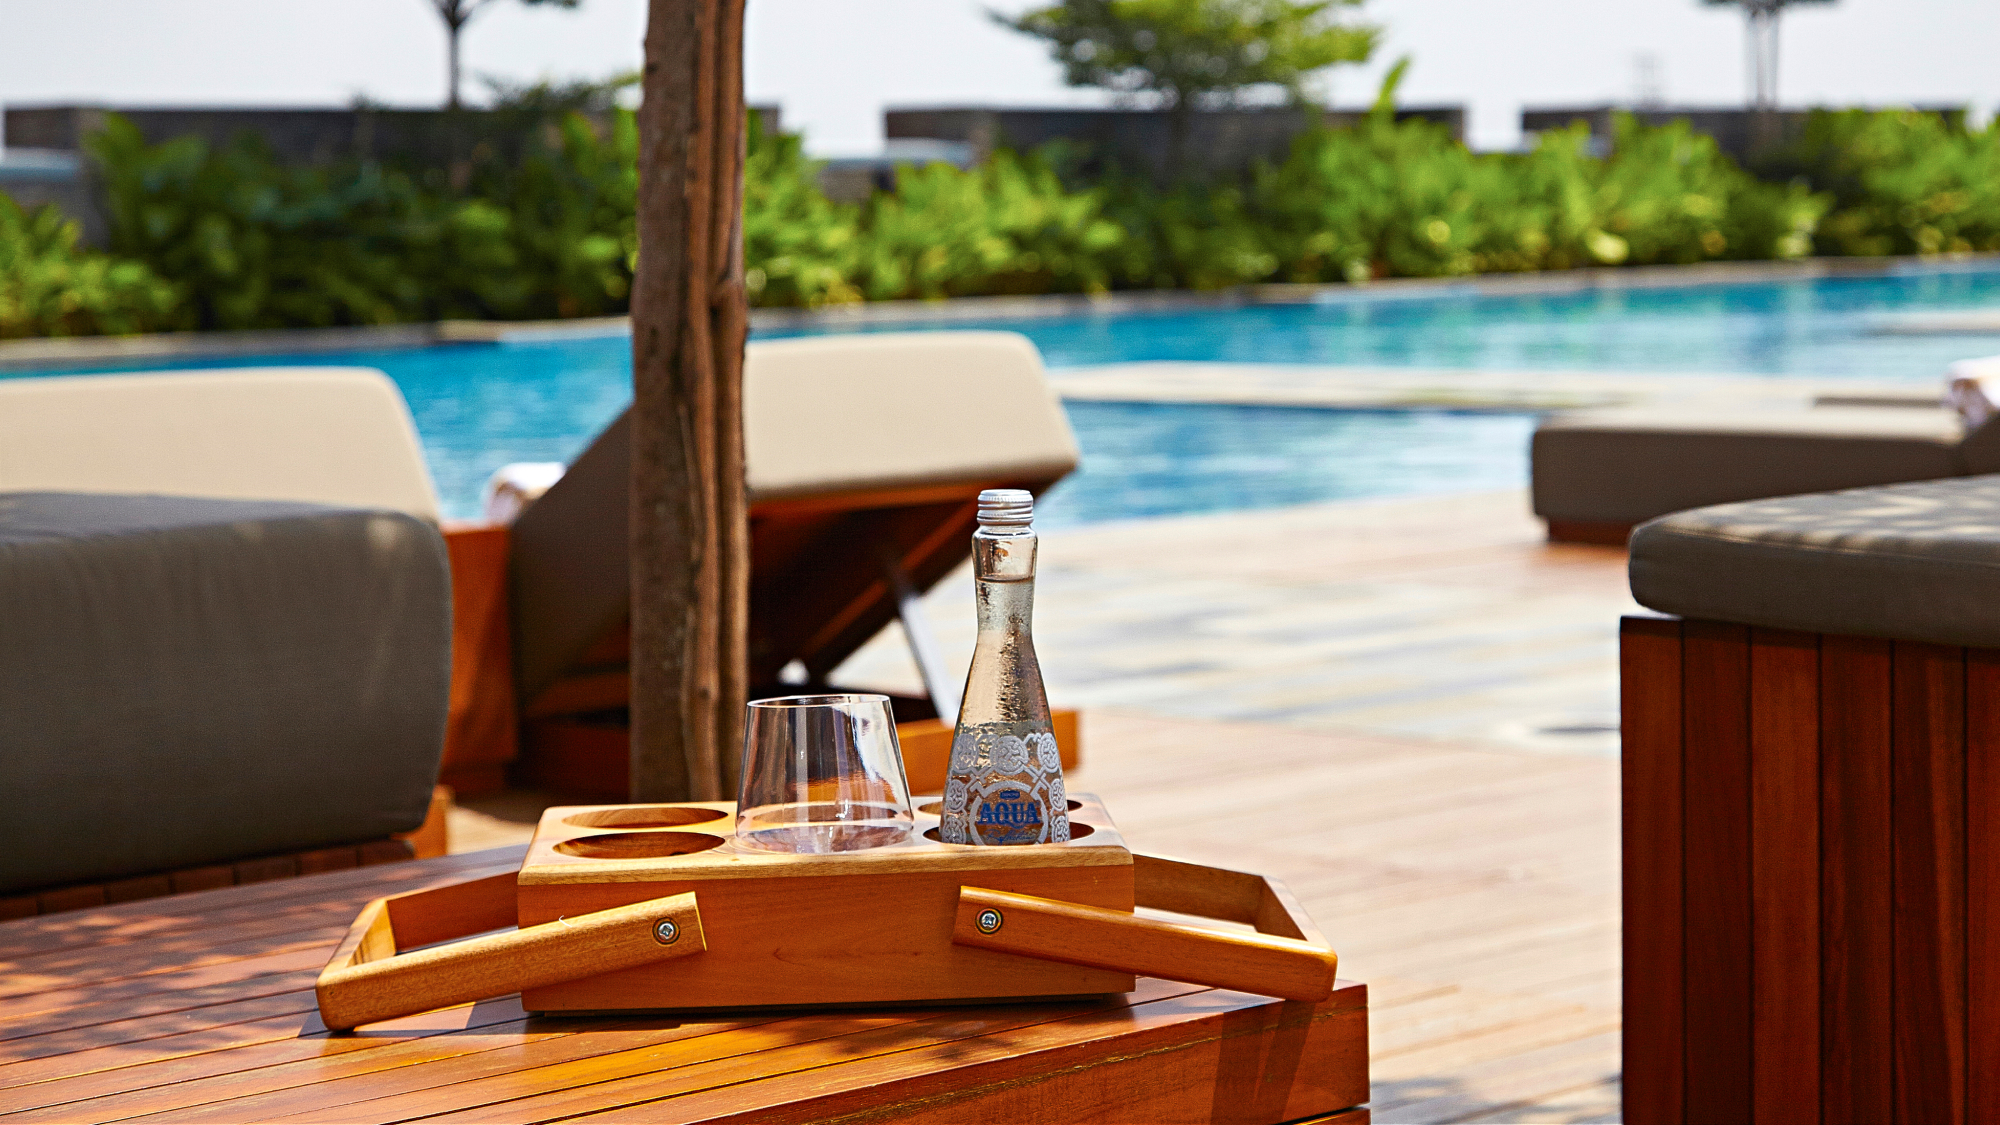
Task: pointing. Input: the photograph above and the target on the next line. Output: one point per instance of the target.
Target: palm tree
(456, 14)
(1763, 46)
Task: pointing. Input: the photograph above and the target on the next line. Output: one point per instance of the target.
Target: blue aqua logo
(1009, 816)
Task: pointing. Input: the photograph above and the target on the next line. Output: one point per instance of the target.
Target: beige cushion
(821, 415)
(1630, 465)
(840, 413)
(1908, 561)
(324, 435)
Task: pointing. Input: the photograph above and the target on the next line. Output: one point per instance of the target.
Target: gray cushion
(1630, 465)
(187, 681)
(1910, 561)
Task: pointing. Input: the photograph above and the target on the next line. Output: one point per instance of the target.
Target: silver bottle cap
(1006, 508)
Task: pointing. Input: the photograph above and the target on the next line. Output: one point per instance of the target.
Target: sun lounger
(199, 692)
(1599, 473)
(865, 455)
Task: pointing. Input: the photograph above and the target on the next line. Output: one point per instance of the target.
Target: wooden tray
(624, 908)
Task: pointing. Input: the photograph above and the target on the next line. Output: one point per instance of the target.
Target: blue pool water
(479, 406)
(1813, 327)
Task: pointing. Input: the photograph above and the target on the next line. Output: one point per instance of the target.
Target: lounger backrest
(841, 413)
(822, 416)
(326, 435)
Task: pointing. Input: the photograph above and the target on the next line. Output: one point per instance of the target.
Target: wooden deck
(1406, 710)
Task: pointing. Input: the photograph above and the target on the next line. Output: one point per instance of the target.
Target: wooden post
(690, 565)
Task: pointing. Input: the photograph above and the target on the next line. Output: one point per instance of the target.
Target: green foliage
(1902, 182)
(1006, 227)
(1191, 50)
(257, 245)
(1405, 199)
(49, 286)
(569, 217)
(228, 238)
(800, 247)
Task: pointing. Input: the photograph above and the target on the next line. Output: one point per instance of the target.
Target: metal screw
(989, 921)
(665, 932)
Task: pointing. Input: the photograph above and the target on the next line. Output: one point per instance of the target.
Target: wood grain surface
(1716, 851)
(1784, 876)
(1857, 1070)
(1654, 1024)
(1110, 939)
(200, 1008)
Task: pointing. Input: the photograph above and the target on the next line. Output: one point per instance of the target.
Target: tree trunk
(690, 536)
(451, 30)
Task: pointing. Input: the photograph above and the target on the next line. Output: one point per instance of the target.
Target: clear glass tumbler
(822, 773)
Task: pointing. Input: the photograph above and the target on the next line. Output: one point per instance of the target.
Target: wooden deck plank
(148, 1085)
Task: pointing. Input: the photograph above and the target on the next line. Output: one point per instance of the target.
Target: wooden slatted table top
(200, 1007)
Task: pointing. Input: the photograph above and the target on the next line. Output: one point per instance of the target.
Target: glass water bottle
(1006, 783)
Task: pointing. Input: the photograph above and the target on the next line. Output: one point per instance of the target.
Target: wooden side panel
(1715, 717)
(1857, 1074)
(1928, 780)
(1650, 674)
(1784, 877)
(479, 734)
(1982, 886)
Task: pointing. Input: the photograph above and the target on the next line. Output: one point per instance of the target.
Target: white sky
(833, 64)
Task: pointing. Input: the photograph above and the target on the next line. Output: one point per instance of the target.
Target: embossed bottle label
(1005, 787)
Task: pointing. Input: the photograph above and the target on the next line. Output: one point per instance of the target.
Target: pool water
(1809, 327)
(479, 406)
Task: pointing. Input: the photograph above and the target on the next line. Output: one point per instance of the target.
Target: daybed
(202, 688)
(1812, 809)
(1597, 474)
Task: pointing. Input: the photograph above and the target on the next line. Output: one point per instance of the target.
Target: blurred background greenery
(205, 236)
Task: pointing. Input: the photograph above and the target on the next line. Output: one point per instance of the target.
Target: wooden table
(200, 1008)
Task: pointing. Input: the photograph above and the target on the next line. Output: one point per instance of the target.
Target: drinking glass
(822, 773)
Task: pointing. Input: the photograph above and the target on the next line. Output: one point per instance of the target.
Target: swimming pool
(1808, 327)
(479, 406)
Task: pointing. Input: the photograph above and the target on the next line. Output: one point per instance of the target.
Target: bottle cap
(1006, 508)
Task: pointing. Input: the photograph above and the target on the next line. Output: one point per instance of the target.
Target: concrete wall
(1220, 142)
(47, 141)
(425, 138)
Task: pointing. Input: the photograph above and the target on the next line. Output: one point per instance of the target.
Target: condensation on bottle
(1006, 782)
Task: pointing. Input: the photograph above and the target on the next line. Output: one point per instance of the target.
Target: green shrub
(1406, 199)
(1008, 226)
(255, 244)
(1902, 182)
(50, 286)
(569, 216)
(226, 237)
(800, 248)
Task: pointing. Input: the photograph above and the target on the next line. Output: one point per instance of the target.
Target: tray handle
(370, 978)
(1286, 958)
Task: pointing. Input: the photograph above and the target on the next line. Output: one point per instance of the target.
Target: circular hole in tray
(1076, 832)
(638, 845)
(644, 816)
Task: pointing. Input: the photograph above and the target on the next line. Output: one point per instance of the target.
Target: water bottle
(1006, 782)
